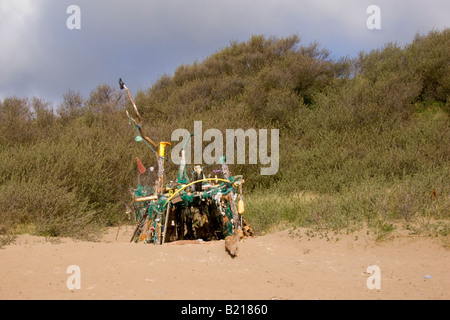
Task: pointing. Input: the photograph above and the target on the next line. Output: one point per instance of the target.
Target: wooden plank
(148, 198)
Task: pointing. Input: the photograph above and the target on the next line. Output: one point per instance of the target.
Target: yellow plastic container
(241, 208)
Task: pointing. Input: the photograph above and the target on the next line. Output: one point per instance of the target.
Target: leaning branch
(138, 125)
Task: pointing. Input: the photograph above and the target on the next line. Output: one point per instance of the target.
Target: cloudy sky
(140, 40)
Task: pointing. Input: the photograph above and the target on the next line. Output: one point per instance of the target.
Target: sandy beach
(282, 266)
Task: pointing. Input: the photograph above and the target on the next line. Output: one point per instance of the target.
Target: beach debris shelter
(196, 205)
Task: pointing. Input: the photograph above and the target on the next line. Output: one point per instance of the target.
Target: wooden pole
(165, 223)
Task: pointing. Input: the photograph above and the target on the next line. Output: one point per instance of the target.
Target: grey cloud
(141, 40)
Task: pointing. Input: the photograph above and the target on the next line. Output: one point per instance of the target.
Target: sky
(42, 55)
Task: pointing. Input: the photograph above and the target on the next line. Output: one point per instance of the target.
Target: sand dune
(275, 266)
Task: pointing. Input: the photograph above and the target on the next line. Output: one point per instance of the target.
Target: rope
(208, 179)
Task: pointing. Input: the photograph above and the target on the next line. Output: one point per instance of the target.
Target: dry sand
(275, 266)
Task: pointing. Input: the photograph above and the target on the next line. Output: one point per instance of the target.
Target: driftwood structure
(191, 207)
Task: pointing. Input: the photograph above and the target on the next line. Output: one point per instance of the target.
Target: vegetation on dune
(363, 141)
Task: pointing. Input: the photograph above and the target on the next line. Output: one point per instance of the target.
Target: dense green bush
(366, 139)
